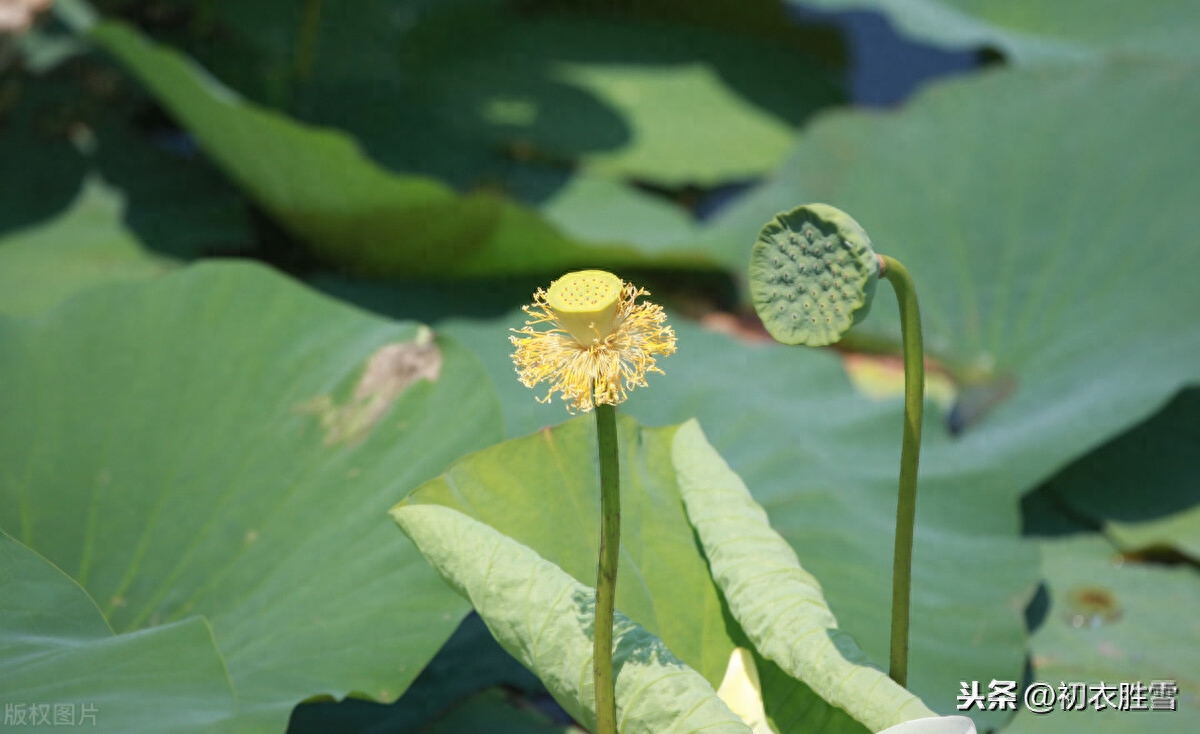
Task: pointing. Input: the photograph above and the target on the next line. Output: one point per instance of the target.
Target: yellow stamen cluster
(601, 364)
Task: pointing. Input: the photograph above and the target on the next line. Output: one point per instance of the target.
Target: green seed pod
(812, 275)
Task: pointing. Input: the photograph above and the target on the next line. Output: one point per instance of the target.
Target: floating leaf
(176, 417)
(543, 617)
(778, 603)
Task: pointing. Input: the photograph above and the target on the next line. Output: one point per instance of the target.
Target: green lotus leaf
(318, 184)
(542, 490)
(777, 602)
(1031, 31)
(61, 664)
(84, 246)
(543, 617)
(230, 444)
(1111, 621)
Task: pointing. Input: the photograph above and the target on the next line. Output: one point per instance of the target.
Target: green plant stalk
(606, 575)
(910, 457)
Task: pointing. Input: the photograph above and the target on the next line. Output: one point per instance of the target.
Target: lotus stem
(910, 456)
(606, 577)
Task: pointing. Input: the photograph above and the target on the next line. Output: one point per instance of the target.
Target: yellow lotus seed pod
(586, 303)
(600, 344)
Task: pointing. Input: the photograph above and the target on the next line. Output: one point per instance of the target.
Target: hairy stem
(606, 576)
(910, 456)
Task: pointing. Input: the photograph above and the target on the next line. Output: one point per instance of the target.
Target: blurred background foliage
(1033, 165)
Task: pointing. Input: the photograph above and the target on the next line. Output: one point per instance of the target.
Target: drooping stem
(606, 576)
(910, 456)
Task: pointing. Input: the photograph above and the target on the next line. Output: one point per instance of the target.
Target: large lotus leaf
(321, 187)
(1144, 486)
(1001, 196)
(1032, 31)
(542, 490)
(823, 461)
(84, 246)
(777, 602)
(1113, 622)
(231, 444)
(544, 617)
(61, 664)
